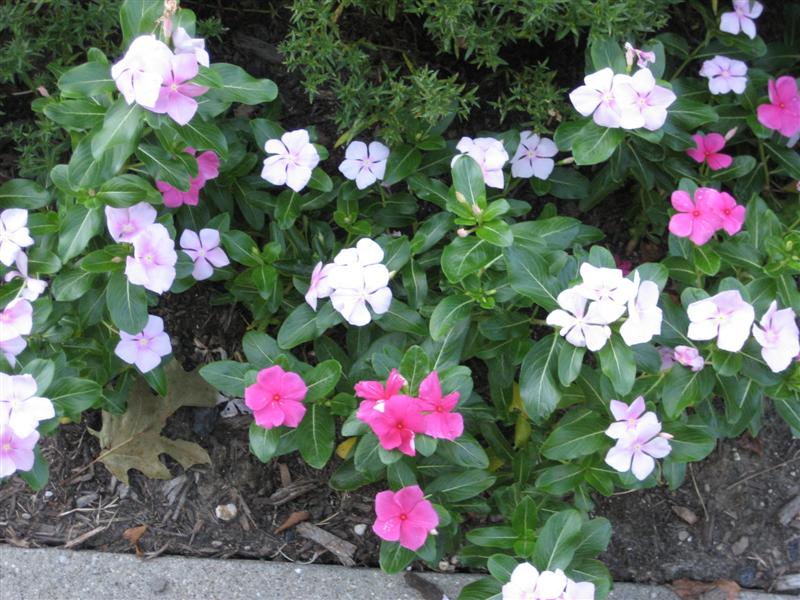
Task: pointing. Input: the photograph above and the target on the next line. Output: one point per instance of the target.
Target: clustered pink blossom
(293, 160)
(638, 439)
(725, 75)
(710, 211)
(689, 357)
(534, 156)
(276, 398)
(527, 583)
(205, 251)
(146, 348)
(396, 418)
(364, 164)
(404, 516)
(490, 155)
(742, 18)
(782, 114)
(619, 100)
(207, 169)
(708, 150)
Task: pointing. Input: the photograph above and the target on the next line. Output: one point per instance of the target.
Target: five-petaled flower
(440, 421)
(358, 278)
(146, 348)
(20, 408)
(124, 224)
(398, 424)
(14, 235)
(533, 157)
(375, 394)
(783, 111)
(16, 452)
(708, 150)
(641, 102)
(644, 315)
(596, 98)
(276, 398)
(153, 262)
(294, 158)
(140, 73)
(207, 168)
(364, 164)
(697, 220)
(725, 316)
(527, 583)
(205, 251)
(176, 96)
(741, 19)
(628, 417)
(778, 335)
(490, 155)
(608, 288)
(16, 319)
(638, 446)
(580, 327)
(404, 516)
(725, 75)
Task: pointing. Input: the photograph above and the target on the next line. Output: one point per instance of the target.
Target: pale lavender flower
(14, 235)
(153, 262)
(636, 450)
(533, 157)
(641, 102)
(725, 316)
(725, 75)
(319, 287)
(185, 44)
(32, 288)
(490, 155)
(689, 357)
(581, 327)
(20, 408)
(12, 348)
(627, 417)
(295, 157)
(597, 98)
(146, 348)
(124, 224)
(364, 164)
(140, 73)
(205, 251)
(16, 319)
(778, 335)
(741, 19)
(16, 453)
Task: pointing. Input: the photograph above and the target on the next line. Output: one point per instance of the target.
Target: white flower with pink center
(364, 164)
(16, 319)
(778, 335)
(294, 158)
(124, 224)
(146, 348)
(490, 155)
(205, 251)
(153, 262)
(20, 408)
(14, 235)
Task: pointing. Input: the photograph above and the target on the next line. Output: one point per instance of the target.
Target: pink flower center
(5, 317)
(7, 448)
(127, 228)
(276, 398)
(781, 105)
(439, 409)
(695, 213)
(201, 253)
(174, 87)
(725, 73)
(403, 517)
(727, 212)
(400, 426)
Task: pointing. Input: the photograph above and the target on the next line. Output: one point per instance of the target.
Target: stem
(764, 165)
(692, 55)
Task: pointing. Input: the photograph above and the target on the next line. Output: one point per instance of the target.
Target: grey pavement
(57, 574)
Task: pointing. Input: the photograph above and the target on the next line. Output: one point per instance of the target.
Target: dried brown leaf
(133, 535)
(293, 519)
(134, 441)
(688, 589)
(687, 514)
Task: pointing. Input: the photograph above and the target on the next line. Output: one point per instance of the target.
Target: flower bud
(461, 232)
(461, 198)
(730, 134)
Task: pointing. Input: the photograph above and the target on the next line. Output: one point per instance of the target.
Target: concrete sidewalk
(55, 574)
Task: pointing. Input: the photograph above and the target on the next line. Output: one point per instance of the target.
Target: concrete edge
(58, 574)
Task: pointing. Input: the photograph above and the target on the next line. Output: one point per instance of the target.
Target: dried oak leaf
(133, 535)
(134, 441)
(688, 589)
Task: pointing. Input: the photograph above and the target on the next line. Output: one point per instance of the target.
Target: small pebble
(298, 571)
(740, 545)
(216, 544)
(26, 516)
(683, 535)
(48, 494)
(360, 529)
(226, 512)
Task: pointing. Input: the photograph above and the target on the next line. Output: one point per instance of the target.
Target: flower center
(201, 253)
(148, 258)
(695, 213)
(403, 517)
(439, 409)
(781, 105)
(400, 426)
(143, 342)
(725, 73)
(174, 87)
(127, 228)
(7, 448)
(276, 397)
(727, 211)
(637, 447)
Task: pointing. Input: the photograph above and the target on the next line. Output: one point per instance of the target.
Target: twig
(697, 491)
(342, 549)
(82, 538)
(758, 474)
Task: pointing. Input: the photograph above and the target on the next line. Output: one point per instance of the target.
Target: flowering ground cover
(439, 326)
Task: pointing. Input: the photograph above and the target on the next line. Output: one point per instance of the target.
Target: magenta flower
(207, 168)
(146, 348)
(375, 394)
(533, 157)
(404, 516)
(153, 262)
(731, 214)
(176, 97)
(20, 408)
(708, 150)
(16, 319)
(319, 287)
(398, 424)
(16, 453)
(12, 348)
(725, 75)
(140, 73)
(636, 450)
(640, 101)
(741, 19)
(205, 251)
(276, 398)
(364, 164)
(689, 357)
(725, 316)
(124, 224)
(440, 421)
(14, 235)
(596, 98)
(697, 220)
(294, 160)
(778, 336)
(783, 112)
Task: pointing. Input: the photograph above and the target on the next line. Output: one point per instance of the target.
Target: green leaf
(127, 190)
(579, 433)
(23, 193)
(501, 566)
(72, 395)
(39, 474)
(400, 317)
(560, 479)
(42, 371)
(618, 364)
(464, 451)
(88, 79)
(740, 167)
(594, 538)
(607, 53)
(78, 227)
(557, 541)
(570, 361)
(239, 86)
(241, 248)
(163, 166)
(447, 313)
(566, 133)
(706, 260)
(454, 487)
(684, 388)
(394, 558)
(497, 233)
(402, 162)
(468, 181)
(690, 443)
(498, 536)
(204, 135)
(788, 408)
(465, 256)
(263, 442)
(483, 589)
(72, 283)
(414, 366)
(227, 376)
(260, 349)
(320, 181)
(127, 304)
(300, 326)
(139, 17)
(537, 386)
(322, 379)
(568, 184)
(316, 434)
(786, 158)
(528, 275)
(691, 113)
(122, 124)
(594, 144)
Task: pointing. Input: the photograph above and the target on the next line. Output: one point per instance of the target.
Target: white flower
(608, 287)
(357, 278)
(184, 44)
(14, 234)
(490, 155)
(579, 326)
(644, 316)
(319, 287)
(641, 102)
(596, 98)
(533, 157)
(140, 73)
(293, 161)
(741, 19)
(725, 75)
(364, 165)
(32, 288)
(20, 408)
(725, 316)
(778, 336)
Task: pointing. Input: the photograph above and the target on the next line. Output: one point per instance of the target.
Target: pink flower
(725, 75)
(32, 288)
(731, 214)
(642, 57)
(12, 348)
(597, 98)
(20, 408)
(153, 262)
(689, 357)
(398, 424)
(319, 286)
(533, 157)
(276, 398)
(205, 251)
(14, 235)
(124, 224)
(440, 421)
(741, 19)
(16, 319)
(778, 335)
(667, 358)
(490, 155)
(207, 168)
(375, 394)
(697, 220)
(364, 165)
(708, 150)
(627, 417)
(184, 44)
(404, 516)
(783, 112)
(636, 450)
(725, 316)
(293, 161)
(641, 102)
(16, 453)
(140, 73)
(146, 348)
(176, 97)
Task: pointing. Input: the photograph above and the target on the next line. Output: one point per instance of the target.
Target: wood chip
(292, 491)
(790, 512)
(293, 519)
(286, 477)
(82, 538)
(133, 535)
(686, 514)
(342, 549)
